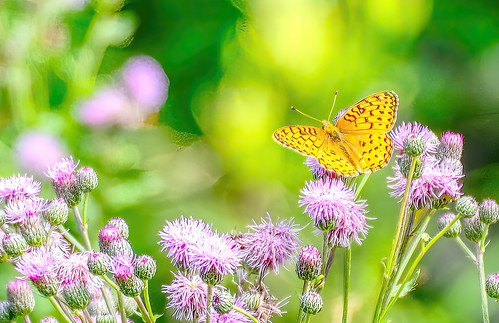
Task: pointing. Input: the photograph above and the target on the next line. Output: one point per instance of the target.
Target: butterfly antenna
(306, 115)
(334, 102)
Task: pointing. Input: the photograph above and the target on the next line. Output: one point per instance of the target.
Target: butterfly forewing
(336, 157)
(304, 139)
(374, 114)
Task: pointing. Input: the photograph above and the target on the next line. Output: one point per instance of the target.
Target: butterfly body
(357, 143)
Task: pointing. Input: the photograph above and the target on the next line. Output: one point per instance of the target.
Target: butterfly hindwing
(374, 114)
(370, 151)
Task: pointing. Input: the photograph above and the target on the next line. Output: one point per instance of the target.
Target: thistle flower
(180, 236)
(309, 263)
(120, 224)
(40, 267)
(451, 146)
(19, 211)
(400, 133)
(99, 263)
(413, 145)
(144, 78)
(124, 274)
(106, 108)
(473, 228)
(74, 268)
(58, 245)
(145, 267)
(311, 303)
(489, 211)
(14, 244)
(222, 300)
(75, 294)
(492, 286)
(112, 242)
(56, 212)
(86, 179)
(467, 206)
(215, 258)
(64, 181)
(187, 297)
(20, 298)
(270, 245)
(34, 150)
(317, 169)
(454, 229)
(18, 187)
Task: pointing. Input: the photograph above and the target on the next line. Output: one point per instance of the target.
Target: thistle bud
(454, 229)
(451, 146)
(33, 231)
(413, 145)
(222, 301)
(14, 244)
(86, 179)
(211, 277)
(489, 211)
(492, 286)
(104, 317)
(123, 273)
(404, 163)
(120, 224)
(311, 303)
(145, 267)
(75, 294)
(56, 212)
(112, 242)
(252, 298)
(99, 263)
(20, 298)
(5, 313)
(473, 228)
(326, 224)
(309, 263)
(130, 287)
(467, 206)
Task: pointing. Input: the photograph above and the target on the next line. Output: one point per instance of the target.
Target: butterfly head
(333, 131)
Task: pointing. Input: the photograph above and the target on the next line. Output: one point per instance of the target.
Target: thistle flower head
(111, 242)
(270, 245)
(492, 285)
(145, 267)
(75, 294)
(20, 297)
(489, 211)
(18, 187)
(187, 296)
(58, 245)
(105, 108)
(473, 228)
(14, 244)
(454, 229)
(425, 135)
(180, 236)
(451, 146)
(232, 316)
(124, 274)
(311, 303)
(21, 210)
(74, 268)
(40, 267)
(467, 206)
(64, 181)
(216, 257)
(56, 212)
(86, 179)
(309, 263)
(317, 169)
(99, 263)
(120, 224)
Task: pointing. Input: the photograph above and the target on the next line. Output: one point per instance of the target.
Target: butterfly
(358, 142)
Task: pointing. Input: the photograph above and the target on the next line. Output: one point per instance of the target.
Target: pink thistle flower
(231, 316)
(63, 171)
(187, 297)
(106, 108)
(36, 149)
(18, 187)
(58, 245)
(40, 267)
(180, 236)
(451, 146)
(144, 78)
(424, 133)
(270, 245)
(318, 170)
(123, 267)
(74, 268)
(218, 255)
(21, 211)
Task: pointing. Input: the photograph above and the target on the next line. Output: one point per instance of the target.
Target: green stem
(83, 229)
(240, 310)
(325, 248)
(142, 309)
(85, 204)
(146, 300)
(68, 317)
(361, 185)
(208, 303)
(465, 248)
(109, 305)
(480, 250)
(69, 237)
(329, 263)
(307, 318)
(121, 308)
(410, 272)
(300, 311)
(26, 319)
(382, 296)
(346, 282)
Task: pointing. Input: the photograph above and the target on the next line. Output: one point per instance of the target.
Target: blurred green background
(235, 68)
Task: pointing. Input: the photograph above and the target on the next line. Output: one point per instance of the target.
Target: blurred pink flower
(107, 107)
(34, 150)
(144, 78)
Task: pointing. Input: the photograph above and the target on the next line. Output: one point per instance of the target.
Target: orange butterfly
(357, 143)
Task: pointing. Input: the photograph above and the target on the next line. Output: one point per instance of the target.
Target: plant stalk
(346, 282)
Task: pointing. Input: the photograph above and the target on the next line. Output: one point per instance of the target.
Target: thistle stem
(142, 309)
(69, 237)
(83, 229)
(208, 303)
(480, 250)
(300, 311)
(146, 300)
(66, 315)
(346, 282)
(85, 204)
(465, 248)
(109, 305)
(26, 319)
(329, 263)
(121, 308)
(307, 318)
(240, 310)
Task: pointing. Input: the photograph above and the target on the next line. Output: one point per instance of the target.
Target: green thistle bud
(492, 286)
(473, 228)
(130, 287)
(33, 231)
(212, 278)
(454, 229)
(20, 298)
(86, 179)
(56, 212)
(466, 206)
(5, 313)
(252, 298)
(327, 224)
(99, 263)
(14, 244)
(309, 263)
(222, 301)
(311, 303)
(119, 224)
(104, 318)
(489, 211)
(75, 294)
(145, 267)
(404, 164)
(413, 145)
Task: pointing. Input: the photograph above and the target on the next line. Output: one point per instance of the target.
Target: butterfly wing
(369, 151)
(304, 139)
(336, 157)
(374, 114)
